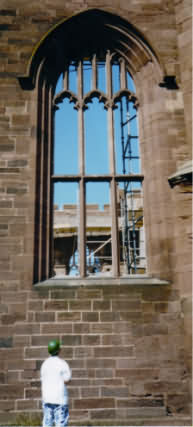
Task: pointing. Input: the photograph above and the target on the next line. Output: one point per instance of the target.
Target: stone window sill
(135, 280)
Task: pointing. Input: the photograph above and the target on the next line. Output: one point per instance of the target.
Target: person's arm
(67, 374)
(41, 372)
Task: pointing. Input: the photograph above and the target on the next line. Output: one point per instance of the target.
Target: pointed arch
(95, 29)
(79, 38)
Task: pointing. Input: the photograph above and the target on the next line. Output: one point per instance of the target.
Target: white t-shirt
(54, 373)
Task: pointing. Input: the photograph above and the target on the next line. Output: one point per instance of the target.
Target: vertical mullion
(115, 246)
(82, 210)
(52, 130)
(66, 78)
(123, 77)
(45, 184)
(81, 120)
(40, 246)
(115, 241)
(49, 192)
(37, 237)
(82, 232)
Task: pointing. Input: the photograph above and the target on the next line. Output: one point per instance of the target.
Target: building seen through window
(98, 227)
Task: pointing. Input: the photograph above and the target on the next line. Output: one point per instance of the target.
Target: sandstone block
(101, 328)
(101, 305)
(36, 353)
(77, 363)
(81, 328)
(115, 392)
(100, 363)
(82, 305)
(57, 328)
(45, 316)
(71, 340)
(90, 392)
(126, 351)
(109, 316)
(56, 305)
(83, 352)
(91, 340)
(126, 305)
(28, 328)
(74, 393)
(7, 405)
(35, 305)
(63, 294)
(24, 404)
(11, 390)
(42, 340)
(90, 317)
(69, 316)
(20, 119)
(8, 319)
(102, 414)
(112, 340)
(89, 294)
(94, 403)
(33, 393)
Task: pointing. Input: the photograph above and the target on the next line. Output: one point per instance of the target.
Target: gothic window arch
(103, 241)
(92, 39)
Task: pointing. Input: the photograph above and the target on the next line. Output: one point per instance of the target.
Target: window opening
(131, 200)
(130, 83)
(87, 76)
(70, 79)
(66, 229)
(115, 77)
(98, 229)
(96, 139)
(106, 237)
(131, 229)
(66, 141)
(101, 76)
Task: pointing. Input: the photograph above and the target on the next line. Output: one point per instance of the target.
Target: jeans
(54, 413)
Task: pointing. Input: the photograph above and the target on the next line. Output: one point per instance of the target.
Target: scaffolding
(129, 214)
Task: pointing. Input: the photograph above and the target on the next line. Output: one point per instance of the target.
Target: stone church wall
(129, 346)
(123, 342)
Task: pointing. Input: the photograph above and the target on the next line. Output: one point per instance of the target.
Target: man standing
(55, 373)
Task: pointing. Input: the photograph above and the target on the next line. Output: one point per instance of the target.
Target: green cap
(54, 347)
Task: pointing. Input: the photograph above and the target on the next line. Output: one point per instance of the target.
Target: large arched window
(89, 202)
(98, 224)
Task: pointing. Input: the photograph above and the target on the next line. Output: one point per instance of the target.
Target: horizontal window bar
(129, 177)
(65, 178)
(101, 178)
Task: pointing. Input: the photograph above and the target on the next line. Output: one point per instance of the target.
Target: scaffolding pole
(129, 243)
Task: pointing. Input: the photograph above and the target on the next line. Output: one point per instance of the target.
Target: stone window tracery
(111, 50)
(89, 240)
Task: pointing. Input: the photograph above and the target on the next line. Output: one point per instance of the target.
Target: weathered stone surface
(10, 391)
(129, 346)
(6, 342)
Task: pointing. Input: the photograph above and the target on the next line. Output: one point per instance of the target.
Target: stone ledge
(134, 280)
